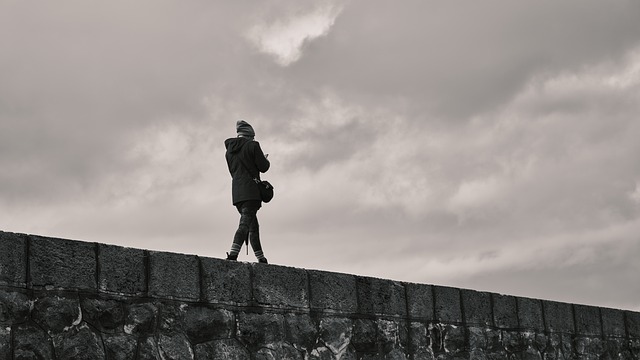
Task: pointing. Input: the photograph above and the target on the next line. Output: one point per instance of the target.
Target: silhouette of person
(246, 161)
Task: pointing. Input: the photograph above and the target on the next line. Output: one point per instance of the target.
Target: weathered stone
(148, 350)
(5, 343)
(31, 342)
(530, 314)
(255, 330)
(378, 296)
(613, 322)
(278, 351)
(105, 315)
(477, 308)
(203, 324)
(335, 333)
(62, 264)
(420, 301)
(226, 349)
(13, 262)
(587, 320)
(505, 311)
(226, 282)
(589, 347)
(633, 324)
(170, 316)
(14, 307)
(174, 347)
(449, 339)
(419, 338)
(56, 314)
(140, 319)
(477, 338)
(558, 317)
(120, 347)
(79, 343)
(300, 331)
(447, 305)
(391, 335)
(122, 270)
(174, 276)
(280, 286)
(333, 291)
(396, 354)
(364, 337)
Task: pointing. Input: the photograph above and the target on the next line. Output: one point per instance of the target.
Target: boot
(232, 257)
(263, 260)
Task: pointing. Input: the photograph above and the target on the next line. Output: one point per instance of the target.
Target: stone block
(301, 331)
(420, 301)
(225, 349)
(333, 291)
(447, 305)
(558, 317)
(14, 308)
(13, 262)
(226, 282)
(202, 323)
(5, 343)
(530, 314)
(257, 330)
(174, 346)
(633, 324)
(477, 308)
(121, 270)
(79, 342)
(364, 337)
(107, 316)
(336, 333)
(613, 322)
(56, 314)
(505, 311)
(62, 264)
(120, 347)
(587, 320)
(383, 297)
(174, 276)
(280, 286)
(31, 342)
(141, 319)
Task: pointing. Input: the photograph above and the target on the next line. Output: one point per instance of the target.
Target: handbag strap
(255, 178)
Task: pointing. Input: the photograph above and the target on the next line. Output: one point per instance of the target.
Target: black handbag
(265, 187)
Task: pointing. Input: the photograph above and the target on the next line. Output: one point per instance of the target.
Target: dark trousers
(248, 227)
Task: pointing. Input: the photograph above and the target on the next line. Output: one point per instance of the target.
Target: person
(246, 161)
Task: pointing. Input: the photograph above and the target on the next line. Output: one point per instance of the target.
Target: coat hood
(233, 145)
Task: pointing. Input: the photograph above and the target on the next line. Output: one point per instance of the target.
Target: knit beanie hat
(243, 128)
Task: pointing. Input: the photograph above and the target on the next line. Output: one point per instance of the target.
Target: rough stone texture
(633, 324)
(122, 270)
(56, 314)
(174, 276)
(13, 261)
(62, 264)
(378, 296)
(104, 315)
(558, 317)
(332, 291)
(613, 322)
(477, 308)
(227, 282)
(587, 320)
(447, 304)
(505, 311)
(420, 301)
(14, 308)
(530, 314)
(280, 286)
(238, 314)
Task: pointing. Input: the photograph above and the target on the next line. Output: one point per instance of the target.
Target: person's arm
(261, 160)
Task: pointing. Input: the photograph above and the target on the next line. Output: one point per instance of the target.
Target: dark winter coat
(239, 149)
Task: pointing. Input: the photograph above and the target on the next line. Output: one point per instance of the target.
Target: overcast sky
(491, 145)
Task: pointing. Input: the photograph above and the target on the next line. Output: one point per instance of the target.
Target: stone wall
(63, 299)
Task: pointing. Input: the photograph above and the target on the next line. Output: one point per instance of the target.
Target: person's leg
(247, 217)
(254, 238)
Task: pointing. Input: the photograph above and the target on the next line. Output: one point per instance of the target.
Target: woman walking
(246, 161)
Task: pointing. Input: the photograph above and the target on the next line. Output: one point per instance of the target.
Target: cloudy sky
(489, 145)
